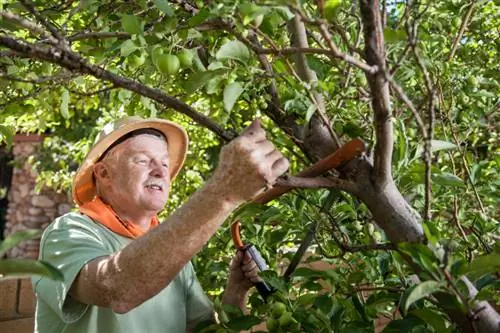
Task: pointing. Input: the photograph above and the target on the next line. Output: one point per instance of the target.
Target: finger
(280, 166)
(249, 267)
(254, 278)
(246, 258)
(274, 155)
(265, 147)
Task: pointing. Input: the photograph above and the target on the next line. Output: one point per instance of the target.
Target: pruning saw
(340, 157)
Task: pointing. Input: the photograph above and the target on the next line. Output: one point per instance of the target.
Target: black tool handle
(262, 287)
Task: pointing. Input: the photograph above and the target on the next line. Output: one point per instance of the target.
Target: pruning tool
(341, 156)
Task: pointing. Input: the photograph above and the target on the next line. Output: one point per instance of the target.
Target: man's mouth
(157, 187)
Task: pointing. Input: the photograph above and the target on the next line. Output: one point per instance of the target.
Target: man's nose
(158, 169)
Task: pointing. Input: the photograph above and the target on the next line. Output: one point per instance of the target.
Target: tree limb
(317, 182)
(375, 56)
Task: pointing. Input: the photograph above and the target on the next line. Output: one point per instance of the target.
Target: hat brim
(84, 189)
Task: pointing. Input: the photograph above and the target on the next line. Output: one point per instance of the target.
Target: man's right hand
(248, 164)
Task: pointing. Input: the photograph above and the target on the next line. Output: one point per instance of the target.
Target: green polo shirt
(73, 240)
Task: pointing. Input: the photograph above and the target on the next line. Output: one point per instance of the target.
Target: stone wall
(26, 208)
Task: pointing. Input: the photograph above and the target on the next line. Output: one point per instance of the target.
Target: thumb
(254, 126)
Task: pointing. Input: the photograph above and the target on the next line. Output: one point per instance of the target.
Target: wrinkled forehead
(140, 132)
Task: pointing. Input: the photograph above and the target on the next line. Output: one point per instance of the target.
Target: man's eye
(165, 165)
(142, 161)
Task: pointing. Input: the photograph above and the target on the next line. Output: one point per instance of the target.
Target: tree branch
(98, 35)
(461, 30)
(375, 56)
(74, 62)
(317, 182)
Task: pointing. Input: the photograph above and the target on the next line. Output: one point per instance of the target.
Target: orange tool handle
(235, 234)
(341, 156)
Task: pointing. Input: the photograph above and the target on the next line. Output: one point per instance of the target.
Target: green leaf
(393, 36)
(234, 50)
(310, 111)
(231, 94)
(242, 323)
(447, 179)
(64, 103)
(437, 145)
(7, 135)
(422, 290)
(164, 7)
(432, 318)
(20, 268)
(484, 264)
(18, 237)
(132, 24)
(127, 48)
(199, 79)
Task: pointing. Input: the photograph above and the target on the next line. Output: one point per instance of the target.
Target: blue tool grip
(262, 287)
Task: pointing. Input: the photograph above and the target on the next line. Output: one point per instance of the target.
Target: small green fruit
(168, 64)
(272, 325)
(278, 309)
(136, 60)
(474, 82)
(185, 58)
(287, 320)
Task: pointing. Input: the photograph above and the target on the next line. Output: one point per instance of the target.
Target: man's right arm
(143, 268)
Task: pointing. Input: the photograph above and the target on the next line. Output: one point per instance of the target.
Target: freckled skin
(125, 280)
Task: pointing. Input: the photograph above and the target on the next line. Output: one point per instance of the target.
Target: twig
(400, 60)
(43, 20)
(412, 35)
(461, 30)
(402, 96)
(91, 93)
(33, 27)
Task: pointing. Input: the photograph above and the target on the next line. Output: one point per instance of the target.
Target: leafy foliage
(227, 82)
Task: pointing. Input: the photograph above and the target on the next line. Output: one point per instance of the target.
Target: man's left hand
(244, 272)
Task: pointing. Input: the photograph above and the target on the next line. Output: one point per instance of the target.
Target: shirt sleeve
(198, 306)
(68, 244)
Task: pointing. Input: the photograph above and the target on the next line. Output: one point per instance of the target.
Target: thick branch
(375, 56)
(99, 35)
(74, 62)
(317, 182)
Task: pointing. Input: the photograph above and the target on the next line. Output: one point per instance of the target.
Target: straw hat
(84, 188)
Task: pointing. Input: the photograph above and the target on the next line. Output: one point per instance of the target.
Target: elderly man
(123, 270)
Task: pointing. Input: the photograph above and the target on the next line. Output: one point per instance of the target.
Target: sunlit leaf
(447, 179)
(164, 7)
(18, 237)
(64, 109)
(7, 135)
(21, 268)
(420, 291)
(231, 94)
(235, 50)
(131, 24)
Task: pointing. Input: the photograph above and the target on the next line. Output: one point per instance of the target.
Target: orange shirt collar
(104, 214)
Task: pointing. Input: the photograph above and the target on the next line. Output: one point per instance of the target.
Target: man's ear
(101, 173)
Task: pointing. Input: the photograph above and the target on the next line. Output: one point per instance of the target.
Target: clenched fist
(249, 163)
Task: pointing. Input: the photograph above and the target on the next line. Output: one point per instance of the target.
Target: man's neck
(142, 221)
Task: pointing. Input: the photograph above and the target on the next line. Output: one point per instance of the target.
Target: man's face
(139, 175)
